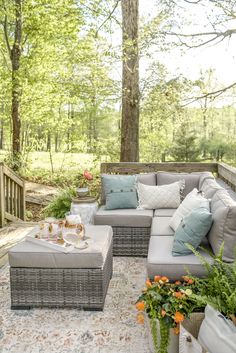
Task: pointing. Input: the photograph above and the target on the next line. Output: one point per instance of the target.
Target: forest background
(69, 82)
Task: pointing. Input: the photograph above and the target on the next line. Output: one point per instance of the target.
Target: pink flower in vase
(87, 175)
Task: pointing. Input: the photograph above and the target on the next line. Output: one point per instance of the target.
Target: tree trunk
(204, 112)
(130, 83)
(49, 142)
(1, 134)
(56, 141)
(16, 87)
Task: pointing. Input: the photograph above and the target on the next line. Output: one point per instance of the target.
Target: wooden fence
(12, 196)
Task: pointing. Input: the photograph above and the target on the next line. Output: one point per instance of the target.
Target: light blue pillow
(120, 191)
(192, 230)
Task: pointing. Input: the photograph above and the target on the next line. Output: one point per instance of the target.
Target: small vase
(81, 192)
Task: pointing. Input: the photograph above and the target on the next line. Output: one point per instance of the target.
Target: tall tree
(130, 82)
(14, 52)
(16, 87)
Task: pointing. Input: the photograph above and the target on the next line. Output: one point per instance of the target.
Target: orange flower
(190, 281)
(163, 313)
(157, 278)
(178, 317)
(140, 306)
(140, 318)
(176, 330)
(186, 278)
(177, 282)
(164, 279)
(148, 283)
(178, 295)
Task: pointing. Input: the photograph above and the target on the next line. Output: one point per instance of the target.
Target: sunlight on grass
(62, 161)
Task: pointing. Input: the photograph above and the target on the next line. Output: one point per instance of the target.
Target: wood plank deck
(11, 235)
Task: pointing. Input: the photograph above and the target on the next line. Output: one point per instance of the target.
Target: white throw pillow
(163, 196)
(217, 334)
(193, 200)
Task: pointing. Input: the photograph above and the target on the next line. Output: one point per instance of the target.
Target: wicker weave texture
(53, 287)
(131, 241)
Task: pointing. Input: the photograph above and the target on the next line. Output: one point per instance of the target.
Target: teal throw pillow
(192, 230)
(120, 191)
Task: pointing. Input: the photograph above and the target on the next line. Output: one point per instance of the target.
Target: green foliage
(184, 145)
(60, 204)
(71, 90)
(170, 303)
(219, 287)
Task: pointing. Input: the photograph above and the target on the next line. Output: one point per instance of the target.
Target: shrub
(60, 204)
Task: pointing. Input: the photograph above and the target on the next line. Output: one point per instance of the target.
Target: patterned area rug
(114, 330)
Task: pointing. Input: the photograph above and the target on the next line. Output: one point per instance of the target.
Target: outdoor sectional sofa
(147, 232)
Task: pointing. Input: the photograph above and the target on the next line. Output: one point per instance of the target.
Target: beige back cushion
(192, 180)
(223, 210)
(209, 188)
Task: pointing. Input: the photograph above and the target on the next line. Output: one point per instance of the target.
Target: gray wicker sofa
(147, 232)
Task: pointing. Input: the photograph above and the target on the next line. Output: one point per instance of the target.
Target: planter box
(178, 342)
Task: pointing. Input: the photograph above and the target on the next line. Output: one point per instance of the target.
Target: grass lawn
(63, 169)
(62, 161)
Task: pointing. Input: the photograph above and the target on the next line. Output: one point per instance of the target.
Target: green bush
(60, 204)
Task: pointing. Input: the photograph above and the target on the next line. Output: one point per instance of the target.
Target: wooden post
(2, 198)
(12, 196)
(22, 202)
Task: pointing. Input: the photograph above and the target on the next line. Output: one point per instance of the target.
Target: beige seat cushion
(161, 262)
(27, 254)
(124, 217)
(164, 212)
(161, 226)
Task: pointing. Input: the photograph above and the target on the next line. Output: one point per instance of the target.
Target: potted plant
(84, 190)
(218, 288)
(60, 204)
(167, 305)
(217, 291)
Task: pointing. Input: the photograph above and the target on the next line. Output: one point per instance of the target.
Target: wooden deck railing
(222, 170)
(228, 174)
(132, 168)
(12, 196)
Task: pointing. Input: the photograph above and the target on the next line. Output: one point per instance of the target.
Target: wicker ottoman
(42, 277)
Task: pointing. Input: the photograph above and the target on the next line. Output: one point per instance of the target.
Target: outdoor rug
(114, 330)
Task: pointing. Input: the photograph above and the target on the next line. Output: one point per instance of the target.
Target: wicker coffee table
(42, 277)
